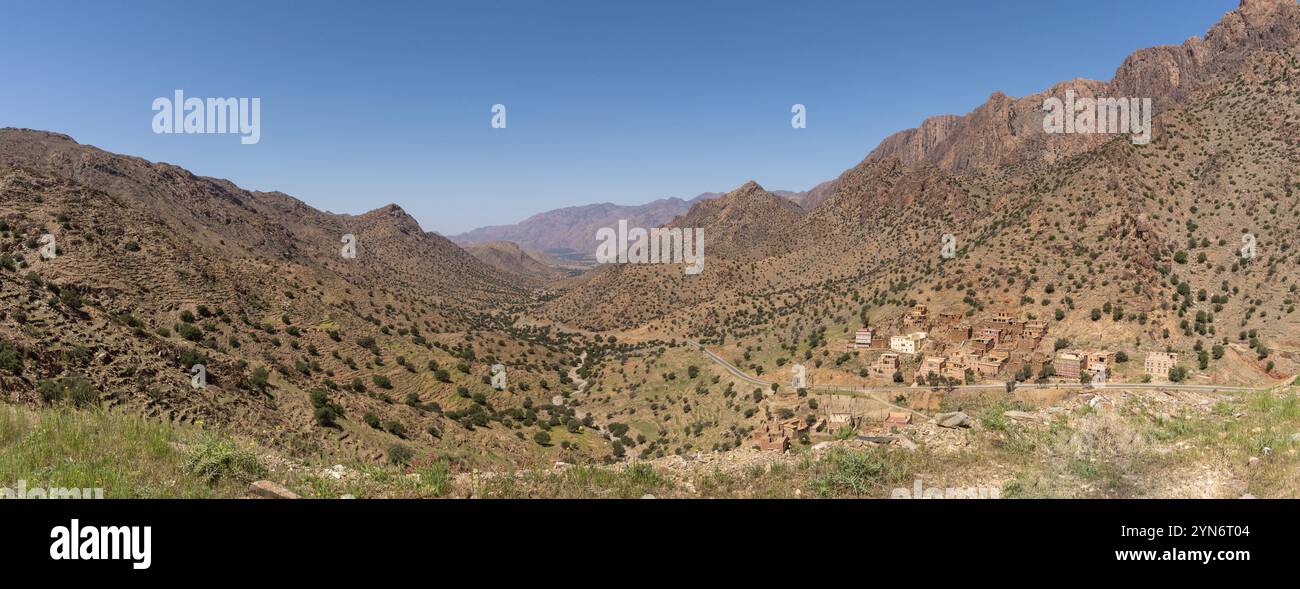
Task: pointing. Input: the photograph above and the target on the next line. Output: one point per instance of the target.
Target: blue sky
(366, 103)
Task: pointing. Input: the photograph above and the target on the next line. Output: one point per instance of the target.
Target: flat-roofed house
(863, 338)
(903, 344)
(1069, 364)
(989, 366)
(950, 318)
(1099, 362)
(956, 334)
(1159, 364)
(1035, 329)
(919, 316)
(933, 364)
(771, 437)
(886, 364)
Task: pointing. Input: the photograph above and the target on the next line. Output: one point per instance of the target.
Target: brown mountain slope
(236, 224)
(1006, 130)
(742, 227)
(158, 270)
(748, 222)
(510, 259)
(1117, 228)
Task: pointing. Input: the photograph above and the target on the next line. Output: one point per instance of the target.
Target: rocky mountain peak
(1005, 130)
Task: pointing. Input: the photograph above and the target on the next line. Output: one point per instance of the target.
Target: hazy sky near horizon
(367, 103)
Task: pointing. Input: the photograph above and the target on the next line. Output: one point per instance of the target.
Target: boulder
(954, 419)
(270, 490)
(1022, 415)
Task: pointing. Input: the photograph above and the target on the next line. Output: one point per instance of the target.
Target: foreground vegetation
(125, 455)
(1124, 447)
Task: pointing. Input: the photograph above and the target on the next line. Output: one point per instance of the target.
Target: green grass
(632, 482)
(125, 455)
(861, 473)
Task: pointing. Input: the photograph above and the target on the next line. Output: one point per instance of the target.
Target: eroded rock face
(1006, 130)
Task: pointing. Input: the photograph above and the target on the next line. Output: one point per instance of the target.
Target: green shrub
(260, 377)
(11, 358)
(71, 297)
(327, 411)
(399, 454)
(189, 332)
(191, 357)
(73, 390)
(214, 459)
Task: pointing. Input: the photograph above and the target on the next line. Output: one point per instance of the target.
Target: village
(949, 350)
(941, 352)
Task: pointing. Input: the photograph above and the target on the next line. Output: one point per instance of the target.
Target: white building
(907, 344)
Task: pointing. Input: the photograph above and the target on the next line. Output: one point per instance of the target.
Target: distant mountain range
(571, 231)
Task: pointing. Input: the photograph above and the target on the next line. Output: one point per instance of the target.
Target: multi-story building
(903, 344)
(954, 369)
(886, 365)
(988, 366)
(918, 317)
(1073, 364)
(1159, 364)
(1098, 362)
(1035, 329)
(863, 338)
(992, 333)
(933, 364)
(1070, 364)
